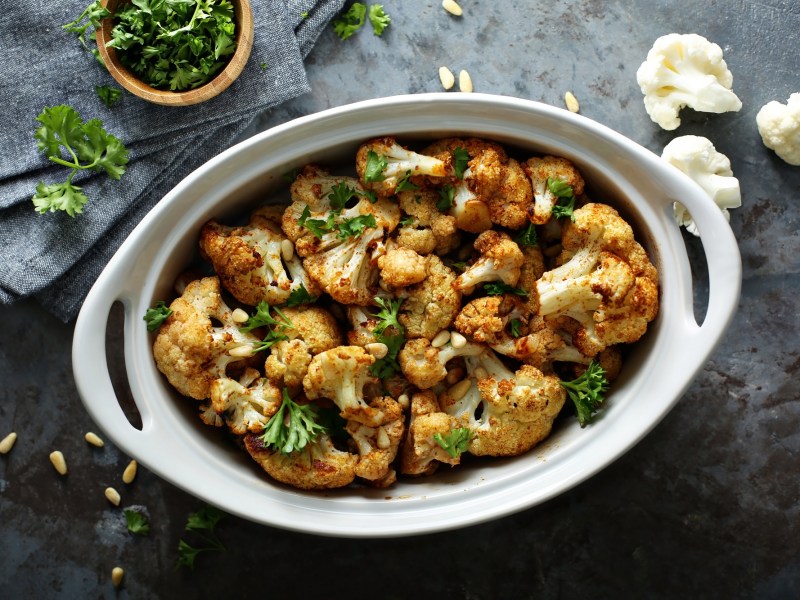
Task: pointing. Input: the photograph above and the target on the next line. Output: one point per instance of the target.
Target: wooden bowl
(243, 17)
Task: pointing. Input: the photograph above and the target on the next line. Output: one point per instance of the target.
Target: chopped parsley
(155, 316)
(455, 441)
(460, 161)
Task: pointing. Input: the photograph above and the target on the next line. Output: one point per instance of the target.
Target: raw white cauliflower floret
(779, 126)
(697, 157)
(685, 70)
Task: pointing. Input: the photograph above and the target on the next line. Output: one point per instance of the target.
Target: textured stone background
(705, 507)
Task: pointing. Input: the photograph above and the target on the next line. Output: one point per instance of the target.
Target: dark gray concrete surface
(706, 506)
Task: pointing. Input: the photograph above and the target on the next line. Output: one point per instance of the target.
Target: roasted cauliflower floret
(340, 375)
(508, 413)
(425, 366)
(605, 281)
(319, 465)
(500, 260)
(245, 405)
(401, 267)
(431, 305)
(543, 172)
(420, 453)
(378, 445)
(382, 164)
(429, 231)
(489, 319)
(190, 350)
(248, 260)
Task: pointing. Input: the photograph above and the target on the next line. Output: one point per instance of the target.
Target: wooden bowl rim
(128, 80)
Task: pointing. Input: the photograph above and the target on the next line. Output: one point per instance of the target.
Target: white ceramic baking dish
(174, 444)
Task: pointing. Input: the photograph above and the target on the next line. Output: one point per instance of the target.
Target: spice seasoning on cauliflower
(444, 303)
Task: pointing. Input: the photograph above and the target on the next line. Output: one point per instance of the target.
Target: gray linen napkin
(56, 258)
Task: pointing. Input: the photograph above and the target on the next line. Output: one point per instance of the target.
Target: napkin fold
(56, 258)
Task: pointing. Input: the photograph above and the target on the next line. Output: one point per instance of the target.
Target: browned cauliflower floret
(425, 366)
(319, 465)
(489, 319)
(362, 326)
(190, 350)
(543, 170)
(508, 413)
(340, 375)
(429, 230)
(421, 454)
(382, 164)
(245, 405)
(431, 305)
(488, 187)
(500, 260)
(378, 445)
(605, 281)
(249, 262)
(401, 267)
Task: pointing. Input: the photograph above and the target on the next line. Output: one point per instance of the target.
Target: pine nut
(287, 250)
(440, 339)
(94, 439)
(241, 351)
(112, 496)
(117, 573)
(454, 375)
(452, 7)
(457, 340)
(447, 78)
(377, 349)
(60, 464)
(8, 443)
(404, 401)
(459, 390)
(481, 373)
(383, 439)
(239, 315)
(129, 474)
(572, 102)
(464, 82)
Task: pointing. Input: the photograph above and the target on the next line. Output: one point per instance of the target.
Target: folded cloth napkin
(57, 258)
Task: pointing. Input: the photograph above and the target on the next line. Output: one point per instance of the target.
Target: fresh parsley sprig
(292, 427)
(88, 147)
(136, 522)
(90, 17)
(497, 288)
(566, 197)
(447, 195)
(527, 236)
(376, 163)
(202, 523)
(391, 332)
(276, 327)
(460, 161)
(455, 441)
(587, 392)
(300, 296)
(156, 315)
(378, 19)
(354, 18)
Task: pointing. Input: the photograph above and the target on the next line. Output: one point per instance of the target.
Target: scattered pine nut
(404, 401)
(117, 573)
(8, 443)
(377, 349)
(239, 315)
(464, 82)
(481, 373)
(447, 78)
(457, 340)
(129, 474)
(440, 339)
(454, 375)
(287, 250)
(60, 464)
(94, 439)
(113, 496)
(459, 390)
(572, 102)
(452, 7)
(241, 351)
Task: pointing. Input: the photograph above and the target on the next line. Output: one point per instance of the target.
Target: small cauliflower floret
(245, 405)
(318, 466)
(424, 366)
(431, 305)
(420, 453)
(362, 324)
(779, 127)
(541, 345)
(340, 375)
(488, 187)
(697, 157)
(401, 267)
(500, 260)
(605, 281)
(382, 164)
(287, 363)
(685, 70)
(487, 319)
(430, 230)
(189, 349)
(248, 260)
(508, 413)
(378, 445)
(544, 170)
